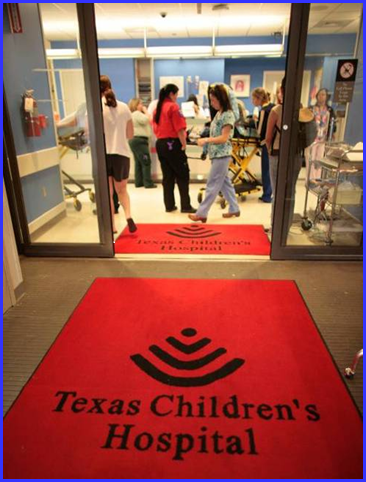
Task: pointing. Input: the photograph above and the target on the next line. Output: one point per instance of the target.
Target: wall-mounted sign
(14, 18)
(345, 80)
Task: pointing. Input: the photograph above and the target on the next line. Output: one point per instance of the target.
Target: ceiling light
(190, 51)
(248, 50)
(243, 21)
(118, 53)
(187, 51)
(57, 54)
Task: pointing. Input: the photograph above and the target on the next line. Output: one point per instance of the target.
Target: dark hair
(219, 91)
(323, 89)
(106, 90)
(283, 86)
(193, 98)
(164, 94)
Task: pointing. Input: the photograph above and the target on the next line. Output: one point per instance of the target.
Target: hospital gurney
(74, 139)
(244, 181)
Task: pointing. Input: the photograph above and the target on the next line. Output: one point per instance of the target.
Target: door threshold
(191, 257)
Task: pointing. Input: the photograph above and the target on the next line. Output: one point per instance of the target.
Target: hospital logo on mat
(190, 365)
(193, 231)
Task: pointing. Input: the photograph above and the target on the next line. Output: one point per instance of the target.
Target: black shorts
(118, 166)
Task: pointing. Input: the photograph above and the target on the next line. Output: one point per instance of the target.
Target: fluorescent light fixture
(63, 54)
(237, 21)
(188, 51)
(118, 53)
(249, 50)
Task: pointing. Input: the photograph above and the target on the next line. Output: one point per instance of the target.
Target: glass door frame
(90, 62)
(295, 61)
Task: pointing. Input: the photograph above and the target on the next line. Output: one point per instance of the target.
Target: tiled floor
(147, 207)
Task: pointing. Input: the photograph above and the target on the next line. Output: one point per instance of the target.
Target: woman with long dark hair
(118, 129)
(219, 150)
(170, 130)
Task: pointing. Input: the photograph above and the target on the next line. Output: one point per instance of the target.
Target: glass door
(54, 131)
(319, 191)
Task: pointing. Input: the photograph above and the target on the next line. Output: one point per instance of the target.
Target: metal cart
(76, 142)
(340, 164)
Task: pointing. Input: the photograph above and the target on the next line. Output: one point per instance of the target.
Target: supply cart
(338, 189)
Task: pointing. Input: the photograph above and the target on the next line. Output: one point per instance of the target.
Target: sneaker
(131, 225)
(190, 210)
(265, 200)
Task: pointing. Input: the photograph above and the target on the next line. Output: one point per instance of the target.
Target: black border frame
(294, 72)
(342, 378)
(89, 49)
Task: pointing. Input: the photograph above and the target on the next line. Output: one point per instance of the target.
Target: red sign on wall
(14, 18)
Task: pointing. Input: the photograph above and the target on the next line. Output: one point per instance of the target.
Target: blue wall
(253, 67)
(33, 186)
(218, 70)
(21, 54)
(120, 71)
(212, 70)
(122, 75)
(334, 43)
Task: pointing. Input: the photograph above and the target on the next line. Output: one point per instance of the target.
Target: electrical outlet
(44, 191)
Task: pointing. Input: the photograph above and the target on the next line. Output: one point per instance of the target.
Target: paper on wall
(203, 87)
(177, 80)
(188, 109)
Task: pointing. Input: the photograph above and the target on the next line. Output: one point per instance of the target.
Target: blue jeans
(266, 180)
(273, 169)
(218, 180)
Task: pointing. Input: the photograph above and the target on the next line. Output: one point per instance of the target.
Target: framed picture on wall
(241, 85)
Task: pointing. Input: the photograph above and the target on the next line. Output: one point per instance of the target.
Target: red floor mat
(177, 379)
(194, 239)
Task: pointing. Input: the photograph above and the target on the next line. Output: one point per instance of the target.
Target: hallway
(54, 287)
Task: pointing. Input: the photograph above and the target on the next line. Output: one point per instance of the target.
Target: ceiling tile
(182, 19)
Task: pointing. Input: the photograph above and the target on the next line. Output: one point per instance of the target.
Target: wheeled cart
(338, 190)
(76, 142)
